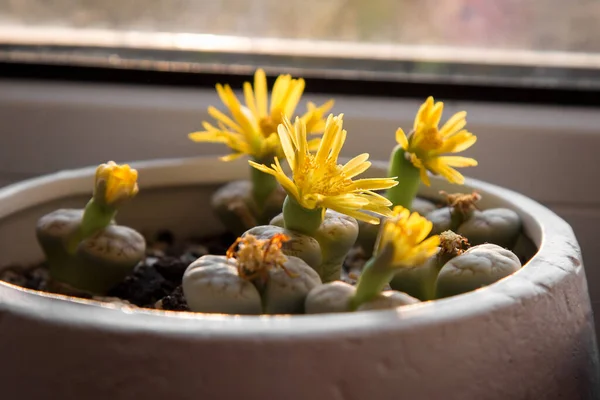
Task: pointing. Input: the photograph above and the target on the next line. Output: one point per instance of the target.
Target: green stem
(376, 274)
(408, 177)
(300, 219)
(262, 185)
(95, 217)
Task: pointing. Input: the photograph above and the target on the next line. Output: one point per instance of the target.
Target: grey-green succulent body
(89, 260)
(477, 267)
(500, 226)
(239, 209)
(212, 284)
(335, 236)
(335, 297)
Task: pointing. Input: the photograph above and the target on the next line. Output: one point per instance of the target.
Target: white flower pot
(529, 336)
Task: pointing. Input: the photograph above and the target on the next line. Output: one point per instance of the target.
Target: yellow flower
(252, 128)
(427, 144)
(317, 179)
(115, 183)
(406, 233)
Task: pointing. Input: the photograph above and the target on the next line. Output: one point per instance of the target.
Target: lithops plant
(297, 244)
(251, 130)
(255, 277)
(477, 267)
(367, 233)
(424, 150)
(336, 297)
(335, 236)
(402, 243)
(318, 184)
(500, 226)
(85, 249)
(420, 280)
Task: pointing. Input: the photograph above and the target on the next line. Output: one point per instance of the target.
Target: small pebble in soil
(173, 302)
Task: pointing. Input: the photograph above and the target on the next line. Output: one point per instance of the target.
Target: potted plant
(455, 322)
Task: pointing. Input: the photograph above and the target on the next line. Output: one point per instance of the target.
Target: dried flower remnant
(452, 243)
(463, 203)
(255, 257)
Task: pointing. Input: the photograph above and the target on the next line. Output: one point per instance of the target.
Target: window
(505, 44)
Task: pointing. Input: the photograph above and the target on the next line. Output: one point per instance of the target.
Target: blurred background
(507, 24)
(84, 81)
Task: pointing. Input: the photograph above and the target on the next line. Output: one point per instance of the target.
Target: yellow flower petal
(357, 165)
(231, 157)
(260, 91)
(314, 116)
(373, 184)
(313, 144)
(458, 142)
(287, 145)
(280, 87)
(401, 139)
(219, 116)
(423, 112)
(250, 99)
(457, 161)
(291, 102)
(435, 114)
(454, 124)
(424, 176)
(438, 167)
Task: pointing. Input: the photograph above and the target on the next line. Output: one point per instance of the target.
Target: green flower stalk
(420, 152)
(323, 200)
(251, 130)
(424, 150)
(401, 244)
(85, 249)
(255, 277)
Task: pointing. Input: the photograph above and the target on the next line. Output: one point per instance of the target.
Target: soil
(156, 281)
